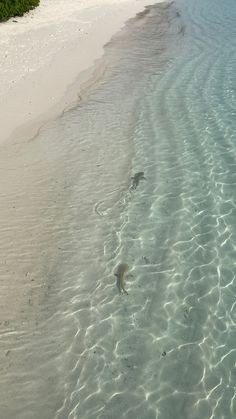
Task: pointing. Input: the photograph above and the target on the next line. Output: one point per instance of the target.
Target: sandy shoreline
(48, 193)
(45, 51)
(49, 56)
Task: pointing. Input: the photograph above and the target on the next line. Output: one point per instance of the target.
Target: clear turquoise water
(180, 231)
(180, 227)
(165, 106)
(183, 242)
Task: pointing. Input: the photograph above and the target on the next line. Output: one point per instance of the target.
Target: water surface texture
(166, 106)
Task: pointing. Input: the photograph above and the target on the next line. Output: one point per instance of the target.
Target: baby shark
(136, 179)
(121, 274)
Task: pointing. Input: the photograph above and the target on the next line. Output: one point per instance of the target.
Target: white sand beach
(43, 53)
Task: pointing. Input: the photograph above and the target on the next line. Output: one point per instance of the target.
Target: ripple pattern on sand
(185, 215)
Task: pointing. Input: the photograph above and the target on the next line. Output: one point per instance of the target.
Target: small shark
(136, 179)
(121, 275)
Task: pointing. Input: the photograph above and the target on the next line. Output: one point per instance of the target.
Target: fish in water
(121, 274)
(136, 179)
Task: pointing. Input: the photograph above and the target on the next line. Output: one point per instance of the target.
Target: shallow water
(167, 349)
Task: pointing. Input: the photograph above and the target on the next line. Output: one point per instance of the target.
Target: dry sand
(44, 52)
